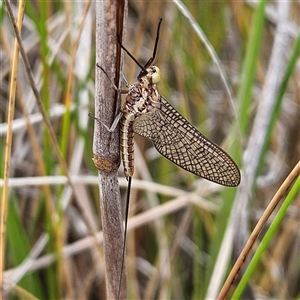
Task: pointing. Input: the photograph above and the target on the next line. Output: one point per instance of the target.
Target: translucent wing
(177, 140)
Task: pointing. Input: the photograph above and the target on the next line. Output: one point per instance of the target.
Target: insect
(150, 115)
(147, 113)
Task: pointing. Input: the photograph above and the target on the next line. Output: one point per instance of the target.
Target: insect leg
(112, 83)
(125, 80)
(114, 124)
(120, 91)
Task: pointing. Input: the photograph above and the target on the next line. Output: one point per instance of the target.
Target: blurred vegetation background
(51, 247)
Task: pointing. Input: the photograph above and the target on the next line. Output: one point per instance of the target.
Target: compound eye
(156, 75)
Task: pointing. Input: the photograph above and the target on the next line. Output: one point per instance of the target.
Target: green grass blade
(250, 65)
(267, 238)
(19, 245)
(291, 65)
(244, 100)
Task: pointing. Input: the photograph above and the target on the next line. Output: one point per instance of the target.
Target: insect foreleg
(125, 80)
(119, 91)
(114, 124)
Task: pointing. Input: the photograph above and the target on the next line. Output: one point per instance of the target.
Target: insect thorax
(143, 96)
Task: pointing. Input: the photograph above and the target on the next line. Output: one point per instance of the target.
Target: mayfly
(150, 115)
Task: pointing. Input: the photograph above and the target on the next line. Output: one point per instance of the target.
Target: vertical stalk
(110, 18)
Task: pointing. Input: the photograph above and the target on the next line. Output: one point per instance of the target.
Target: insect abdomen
(127, 147)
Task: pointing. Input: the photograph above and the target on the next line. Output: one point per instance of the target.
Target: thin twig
(36, 93)
(10, 116)
(149, 216)
(257, 230)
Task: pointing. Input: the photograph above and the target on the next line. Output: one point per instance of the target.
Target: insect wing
(180, 142)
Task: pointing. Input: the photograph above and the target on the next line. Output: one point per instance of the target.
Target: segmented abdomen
(127, 147)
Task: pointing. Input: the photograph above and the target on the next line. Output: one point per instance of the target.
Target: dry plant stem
(239, 215)
(73, 56)
(155, 213)
(262, 119)
(29, 74)
(257, 230)
(215, 59)
(32, 83)
(110, 19)
(23, 268)
(80, 56)
(82, 11)
(18, 124)
(11, 109)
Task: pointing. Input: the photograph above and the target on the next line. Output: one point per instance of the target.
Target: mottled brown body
(142, 97)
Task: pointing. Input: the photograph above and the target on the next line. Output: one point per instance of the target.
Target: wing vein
(180, 142)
